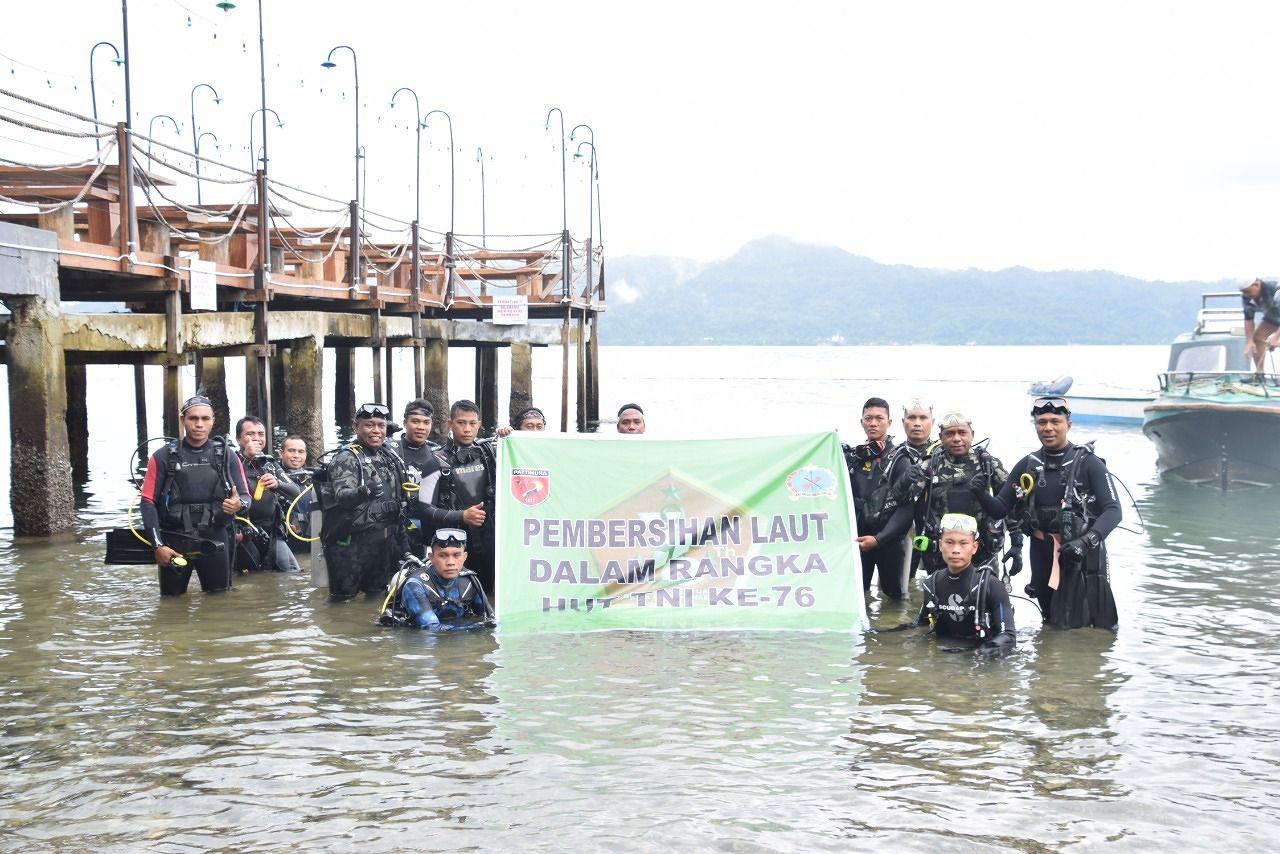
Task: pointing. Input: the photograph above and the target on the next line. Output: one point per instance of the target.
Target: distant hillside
(778, 291)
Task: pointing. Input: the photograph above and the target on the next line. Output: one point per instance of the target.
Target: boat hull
(1108, 410)
(1221, 444)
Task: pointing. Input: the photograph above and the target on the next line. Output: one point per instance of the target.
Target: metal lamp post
(417, 152)
(449, 119)
(484, 225)
(151, 131)
(252, 150)
(197, 152)
(195, 133)
(355, 67)
(93, 89)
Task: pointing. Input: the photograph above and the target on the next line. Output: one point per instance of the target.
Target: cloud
(622, 291)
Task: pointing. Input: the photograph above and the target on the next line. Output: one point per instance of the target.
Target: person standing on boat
(1067, 499)
(193, 488)
(1262, 336)
(872, 479)
(940, 484)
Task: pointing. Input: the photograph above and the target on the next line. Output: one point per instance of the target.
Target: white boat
(1098, 403)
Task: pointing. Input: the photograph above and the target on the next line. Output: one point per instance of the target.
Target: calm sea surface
(267, 719)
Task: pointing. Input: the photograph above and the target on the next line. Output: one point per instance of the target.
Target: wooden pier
(203, 283)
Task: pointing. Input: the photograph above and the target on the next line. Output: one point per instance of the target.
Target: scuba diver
(293, 458)
(424, 467)
(263, 542)
(964, 601)
(466, 487)
(443, 594)
(1065, 496)
(192, 491)
(873, 476)
(527, 419)
(940, 484)
(363, 532)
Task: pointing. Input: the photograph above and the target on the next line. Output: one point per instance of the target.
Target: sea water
(269, 719)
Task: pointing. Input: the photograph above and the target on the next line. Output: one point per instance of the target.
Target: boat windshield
(1206, 357)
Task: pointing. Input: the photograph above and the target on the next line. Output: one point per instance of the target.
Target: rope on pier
(54, 109)
(42, 129)
(288, 247)
(50, 208)
(57, 167)
(271, 185)
(241, 209)
(188, 209)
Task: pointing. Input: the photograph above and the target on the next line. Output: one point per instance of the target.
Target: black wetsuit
(971, 605)
(424, 467)
(265, 546)
(875, 470)
(470, 472)
(182, 496)
(1073, 493)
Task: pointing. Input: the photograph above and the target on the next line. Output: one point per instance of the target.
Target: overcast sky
(1132, 136)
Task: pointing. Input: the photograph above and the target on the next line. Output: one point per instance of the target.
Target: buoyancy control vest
(1057, 504)
(956, 606)
(377, 477)
(461, 600)
(945, 489)
(468, 476)
(196, 482)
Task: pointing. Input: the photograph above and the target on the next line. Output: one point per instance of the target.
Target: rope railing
(241, 209)
(57, 206)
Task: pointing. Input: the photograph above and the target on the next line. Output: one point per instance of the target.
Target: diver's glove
(1014, 559)
(980, 483)
(1075, 549)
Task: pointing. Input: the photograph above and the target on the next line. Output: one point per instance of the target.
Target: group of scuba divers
(402, 518)
(411, 522)
(962, 504)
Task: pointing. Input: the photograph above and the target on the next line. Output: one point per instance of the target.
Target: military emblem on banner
(530, 486)
(811, 482)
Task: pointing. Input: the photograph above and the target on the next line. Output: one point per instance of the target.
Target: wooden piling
(173, 349)
(344, 390)
(581, 352)
(593, 374)
(140, 402)
(487, 385)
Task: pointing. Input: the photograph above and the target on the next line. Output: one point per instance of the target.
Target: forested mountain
(778, 291)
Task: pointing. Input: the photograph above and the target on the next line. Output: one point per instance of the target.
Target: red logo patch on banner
(530, 486)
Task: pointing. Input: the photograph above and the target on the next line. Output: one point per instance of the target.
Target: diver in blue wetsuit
(964, 601)
(442, 595)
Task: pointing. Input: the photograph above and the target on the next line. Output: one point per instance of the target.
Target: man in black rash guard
(964, 601)
(873, 478)
(1068, 501)
(423, 465)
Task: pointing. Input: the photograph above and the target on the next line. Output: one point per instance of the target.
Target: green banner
(603, 532)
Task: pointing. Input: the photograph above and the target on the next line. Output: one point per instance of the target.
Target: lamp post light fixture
(564, 192)
(484, 225)
(355, 67)
(425, 123)
(197, 153)
(252, 150)
(151, 131)
(417, 152)
(93, 89)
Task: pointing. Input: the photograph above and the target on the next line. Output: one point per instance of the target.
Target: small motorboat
(1097, 403)
(1216, 419)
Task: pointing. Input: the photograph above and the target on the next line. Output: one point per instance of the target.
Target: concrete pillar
(487, 385)
(40, 491)
(212, 381)
(521, 378)
(344, 392)
(78, 421)
(437, 385)
(305, 389)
